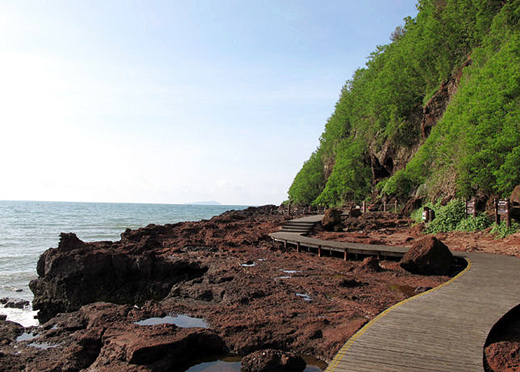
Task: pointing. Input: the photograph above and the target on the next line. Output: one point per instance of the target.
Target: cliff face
(392, 157)
(422, 114)
(437, 104)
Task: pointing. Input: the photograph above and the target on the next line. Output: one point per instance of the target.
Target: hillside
(433, 114)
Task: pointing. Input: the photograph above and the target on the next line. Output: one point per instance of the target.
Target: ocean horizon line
(133, 203)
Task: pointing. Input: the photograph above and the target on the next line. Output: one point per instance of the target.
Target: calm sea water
(27, 229)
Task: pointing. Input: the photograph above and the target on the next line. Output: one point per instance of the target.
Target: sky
(174, 101)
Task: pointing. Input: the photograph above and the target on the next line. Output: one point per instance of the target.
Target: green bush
(481, 222)
(501, 231)
(448, 217)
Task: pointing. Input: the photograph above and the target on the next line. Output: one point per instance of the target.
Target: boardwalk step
(298, 227)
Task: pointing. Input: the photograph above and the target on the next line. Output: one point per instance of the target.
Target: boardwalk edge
(334, 363)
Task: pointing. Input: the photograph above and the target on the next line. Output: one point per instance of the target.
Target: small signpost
(471, 208)
(428, 214)
(502, 206)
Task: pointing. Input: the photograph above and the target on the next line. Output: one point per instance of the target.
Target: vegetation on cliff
(381, 138)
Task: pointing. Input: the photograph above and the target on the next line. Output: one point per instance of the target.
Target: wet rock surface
(15, 303)
(272, 361)
(253, 293)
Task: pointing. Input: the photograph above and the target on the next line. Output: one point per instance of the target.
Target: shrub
(501, 231)
(481, 222)
(448, 217)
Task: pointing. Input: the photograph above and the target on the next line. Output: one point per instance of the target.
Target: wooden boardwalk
(442, 330)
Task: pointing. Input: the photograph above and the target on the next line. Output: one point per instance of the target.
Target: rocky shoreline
(253, 294)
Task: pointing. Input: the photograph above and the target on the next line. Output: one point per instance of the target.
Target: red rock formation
(428, 256)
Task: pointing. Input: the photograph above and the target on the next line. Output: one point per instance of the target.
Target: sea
(28, 228)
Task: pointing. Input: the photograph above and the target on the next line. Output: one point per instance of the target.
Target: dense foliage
(474, 148)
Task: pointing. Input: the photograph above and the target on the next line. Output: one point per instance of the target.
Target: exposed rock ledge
(254, 294)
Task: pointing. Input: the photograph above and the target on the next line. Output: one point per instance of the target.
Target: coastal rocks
(104, 337)
(14, 303)
(9, 331)
(428, 256)
(331, 221)
(227, 271)
(162, 347)
(272, 361)
(78, 273)
(370, 264)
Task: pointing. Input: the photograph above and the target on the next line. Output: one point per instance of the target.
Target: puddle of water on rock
(42, 345)
(248, 265)
(283, 277)
(222, 365)
(233, 364)
(26, 336)
(290, 271)
(405, 289)
(183, 321)
(304, 296)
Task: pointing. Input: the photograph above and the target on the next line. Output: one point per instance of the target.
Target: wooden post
(384, 205)
(345, 255)
(395, 206)
(364, 207)
(298, 247)
(319, 250)
(497, 216)
(508, 213)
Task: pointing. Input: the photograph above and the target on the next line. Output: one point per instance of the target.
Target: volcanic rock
(198, 266)
(428, 256)
(272, 361)
(78, 273)
(354, 212)
(9, 331)
(14, 303)
(503, 356)
(371, 264)
(331, 221)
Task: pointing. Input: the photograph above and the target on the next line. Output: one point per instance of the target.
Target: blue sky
(174, 101)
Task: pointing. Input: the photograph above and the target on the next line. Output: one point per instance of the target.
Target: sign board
(503, 206)
(470, 207)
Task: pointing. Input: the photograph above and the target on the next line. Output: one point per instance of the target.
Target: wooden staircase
(301, 226)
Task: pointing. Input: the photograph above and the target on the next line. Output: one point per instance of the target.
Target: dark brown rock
(9, 331)
(79, 273)
(355, 212)
(371, 264)
(331, 221)
(515, 196)
(503, 356)
(272, 361)
(14, 303)
(428, 256)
